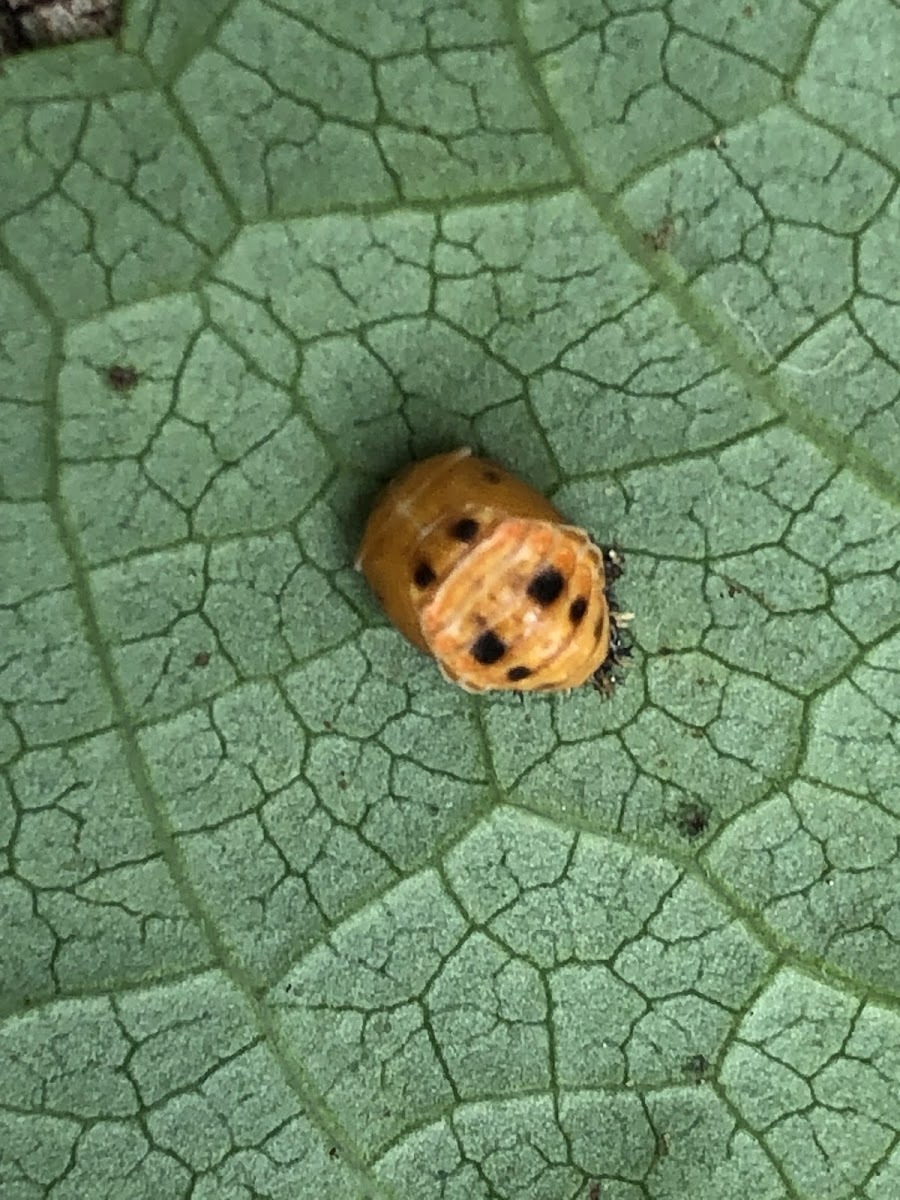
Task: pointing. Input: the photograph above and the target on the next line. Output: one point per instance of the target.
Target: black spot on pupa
(489, 475)
(423, 576)
(514, 674)
(577, 609)
(488, 648)
(547, 586)
(465, 529)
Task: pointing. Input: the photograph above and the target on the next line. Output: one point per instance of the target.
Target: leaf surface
(283, 914)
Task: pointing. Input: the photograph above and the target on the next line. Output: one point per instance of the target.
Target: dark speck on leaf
(122, 378)
(658, 238)
(692, 820)
(697, 1066)
(201, 658)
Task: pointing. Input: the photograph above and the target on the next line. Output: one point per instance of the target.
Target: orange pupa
(478, 569)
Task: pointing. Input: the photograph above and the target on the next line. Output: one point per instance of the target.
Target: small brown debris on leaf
(692, 820)
(737, 589)
(120, 377)
(697, 1065)
(659, 238)
(201, 658)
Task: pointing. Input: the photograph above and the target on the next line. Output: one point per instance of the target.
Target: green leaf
(284, 915)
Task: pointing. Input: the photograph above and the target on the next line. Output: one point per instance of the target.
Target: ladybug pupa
(479, 570)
